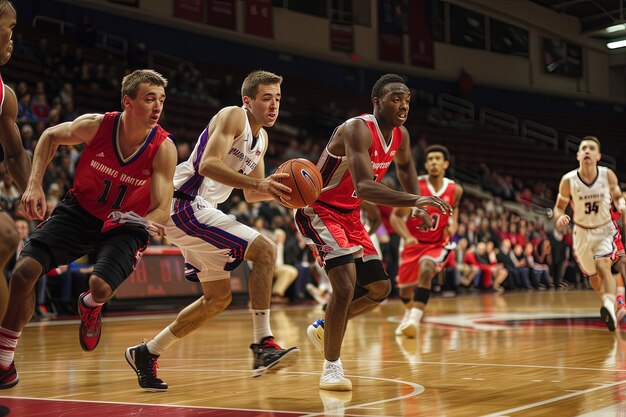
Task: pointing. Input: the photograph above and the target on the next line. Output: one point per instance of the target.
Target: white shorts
(590, 244)
(212, 243)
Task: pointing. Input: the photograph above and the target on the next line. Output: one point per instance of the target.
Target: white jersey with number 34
(591, 203)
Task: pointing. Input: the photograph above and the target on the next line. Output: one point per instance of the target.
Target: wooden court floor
(516, 354)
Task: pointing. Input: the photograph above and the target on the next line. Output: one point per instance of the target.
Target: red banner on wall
(259, 18)
(390, 47)
(422, 49)
(222, 13)
(194, 10)
(341, 37)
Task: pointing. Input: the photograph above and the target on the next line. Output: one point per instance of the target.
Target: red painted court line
(22, 407)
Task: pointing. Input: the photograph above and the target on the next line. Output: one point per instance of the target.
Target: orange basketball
(305, 181)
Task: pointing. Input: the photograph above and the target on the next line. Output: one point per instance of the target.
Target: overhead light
(616, 44)
(615, 28)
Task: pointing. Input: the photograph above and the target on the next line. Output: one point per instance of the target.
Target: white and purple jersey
(244, 155)
(212, 243)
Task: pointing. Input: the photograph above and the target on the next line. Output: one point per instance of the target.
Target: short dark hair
(382, 82)
(592, 139)
(437, 148)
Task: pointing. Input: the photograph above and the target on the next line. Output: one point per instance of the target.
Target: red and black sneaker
(90, 324)
(8, 377)
(269, 356)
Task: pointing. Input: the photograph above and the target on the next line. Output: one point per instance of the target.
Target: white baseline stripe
(552, 400)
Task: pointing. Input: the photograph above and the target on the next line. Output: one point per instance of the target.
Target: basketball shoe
(268, 356)
(8, 377)
(409, 327)
(332, 378)
(145, 365)
(315, 332)
(401, 325)
(607, 312)
(90, 324)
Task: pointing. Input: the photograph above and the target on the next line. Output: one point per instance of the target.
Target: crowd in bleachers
(496, 248)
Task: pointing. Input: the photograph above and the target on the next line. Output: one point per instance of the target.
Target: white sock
(416, 314)
(8, 343)
(337, 362)
(608, 298)
(407, 314)
(162, 341)
(261, 324)
(89, 301)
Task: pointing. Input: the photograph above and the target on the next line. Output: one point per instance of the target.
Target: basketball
(305, 181)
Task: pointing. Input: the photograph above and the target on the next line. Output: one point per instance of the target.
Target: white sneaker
(607, 312)
(399, 328)
(409, 327)
(332, 378)
(315, 332)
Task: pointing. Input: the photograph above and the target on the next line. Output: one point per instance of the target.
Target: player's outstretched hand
(156, 229)
(437, 202)
(34, 201)
(271, 186)
(427, 222)
(562, 221)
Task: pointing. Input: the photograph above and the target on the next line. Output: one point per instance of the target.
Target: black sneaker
(268, 356)
(8, 377)
(145, 364)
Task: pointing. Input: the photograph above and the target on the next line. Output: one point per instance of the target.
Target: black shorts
(71, 233)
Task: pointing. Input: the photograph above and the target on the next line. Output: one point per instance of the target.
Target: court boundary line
(417, 390)
(552, 400)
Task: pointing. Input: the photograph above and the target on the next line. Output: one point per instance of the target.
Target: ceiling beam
(565, 4)
(613, 14)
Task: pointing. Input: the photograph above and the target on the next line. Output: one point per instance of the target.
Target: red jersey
(436, 234)
(338, 188)
(385, 213)
(105, 182)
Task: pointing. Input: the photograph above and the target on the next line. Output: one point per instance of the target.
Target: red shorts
(412, 255)
(333, 234)
(619, 245)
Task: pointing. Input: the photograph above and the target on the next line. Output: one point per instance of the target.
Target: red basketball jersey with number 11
(104, 182)
(436, 234)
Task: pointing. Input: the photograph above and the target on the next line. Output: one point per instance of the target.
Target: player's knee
(264, 251)
(406, 292)
(215, 303)
(101, 291)
(427, 271)
(379, 290)
(25, 275)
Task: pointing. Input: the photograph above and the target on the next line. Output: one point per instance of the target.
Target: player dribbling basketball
(229, 154)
